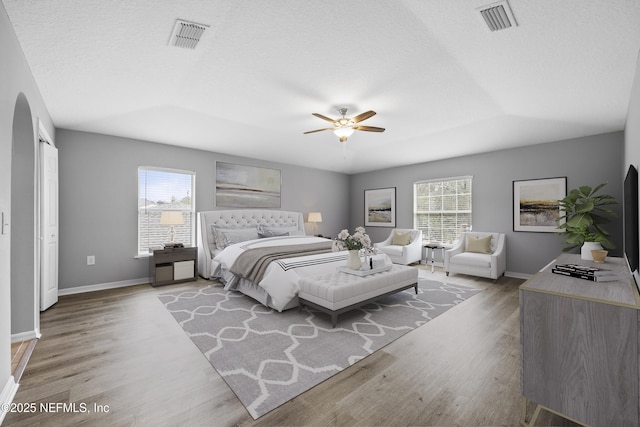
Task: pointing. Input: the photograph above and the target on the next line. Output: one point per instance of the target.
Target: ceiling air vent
(498, 16)
(186, 34)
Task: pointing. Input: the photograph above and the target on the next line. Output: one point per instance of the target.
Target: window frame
(425, 235)
(192, 211)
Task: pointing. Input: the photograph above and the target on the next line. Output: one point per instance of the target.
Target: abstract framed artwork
(240, 186)
(380, 207)
(535, 204)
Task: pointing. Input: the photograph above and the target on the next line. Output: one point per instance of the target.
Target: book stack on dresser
(594, 274)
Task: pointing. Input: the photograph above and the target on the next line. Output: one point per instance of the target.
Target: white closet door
(49, 228)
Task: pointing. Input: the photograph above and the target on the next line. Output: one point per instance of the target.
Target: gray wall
(99, 193)
(632, 130)
(584, 161)
(15, 79)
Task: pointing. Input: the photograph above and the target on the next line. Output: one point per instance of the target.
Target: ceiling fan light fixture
(344, 127)
(343, 132)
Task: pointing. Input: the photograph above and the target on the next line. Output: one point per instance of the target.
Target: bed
(226, 235)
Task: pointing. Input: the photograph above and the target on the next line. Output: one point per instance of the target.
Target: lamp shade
(343, 132)
(171, 218)
(315, 217)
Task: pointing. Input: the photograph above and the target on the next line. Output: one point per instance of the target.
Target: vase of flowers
(353, 243)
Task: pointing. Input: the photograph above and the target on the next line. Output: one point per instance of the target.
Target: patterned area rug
(268, 358)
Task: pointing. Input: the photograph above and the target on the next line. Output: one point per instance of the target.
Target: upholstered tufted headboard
(237, 218)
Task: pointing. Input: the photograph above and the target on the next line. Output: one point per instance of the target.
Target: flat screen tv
(630, 212)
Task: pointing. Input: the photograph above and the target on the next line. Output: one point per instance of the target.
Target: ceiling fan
(344, 126)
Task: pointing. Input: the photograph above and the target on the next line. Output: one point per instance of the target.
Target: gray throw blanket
(253, 263)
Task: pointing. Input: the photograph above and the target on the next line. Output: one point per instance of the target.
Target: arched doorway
(24, 292)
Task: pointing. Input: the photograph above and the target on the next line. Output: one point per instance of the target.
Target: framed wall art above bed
(380, 207)
(241, 186)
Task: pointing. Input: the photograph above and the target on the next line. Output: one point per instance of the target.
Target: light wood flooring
(122, 351)
(20, 354)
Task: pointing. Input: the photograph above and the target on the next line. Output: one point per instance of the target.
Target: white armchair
(403, 246)
(478, 255)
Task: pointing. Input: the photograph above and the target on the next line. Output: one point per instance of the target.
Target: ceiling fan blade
(363, 116)
(320, 116)
(369, 128)
(317, 130)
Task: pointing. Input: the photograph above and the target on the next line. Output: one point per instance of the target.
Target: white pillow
(270, 233)
(292, 230)
(228, 236)
(401, 238)
(481, 245)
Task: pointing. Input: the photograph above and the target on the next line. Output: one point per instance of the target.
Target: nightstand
(173, 265)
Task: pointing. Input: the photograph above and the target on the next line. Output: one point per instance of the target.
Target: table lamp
(171, 218)
(314, 218)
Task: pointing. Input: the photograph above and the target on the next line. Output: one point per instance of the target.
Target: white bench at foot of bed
(338, 292)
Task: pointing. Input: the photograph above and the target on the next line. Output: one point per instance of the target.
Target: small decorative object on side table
(599, 255)
(173, 265)
(431, 247)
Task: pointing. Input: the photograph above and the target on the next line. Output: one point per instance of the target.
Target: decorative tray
(364, 272)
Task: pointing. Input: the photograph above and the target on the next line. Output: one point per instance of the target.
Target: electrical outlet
(91, 260)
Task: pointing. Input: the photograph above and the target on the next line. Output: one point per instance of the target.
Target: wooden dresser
(579, 345)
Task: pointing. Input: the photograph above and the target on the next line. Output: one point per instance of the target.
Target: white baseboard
(25, 336)
(103, 286)
(518, 275)
(6, 396)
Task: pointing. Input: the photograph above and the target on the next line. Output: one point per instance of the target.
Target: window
(442, 208)
(161, 190)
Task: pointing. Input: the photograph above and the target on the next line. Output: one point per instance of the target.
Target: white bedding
(279, 287)
(281, 278)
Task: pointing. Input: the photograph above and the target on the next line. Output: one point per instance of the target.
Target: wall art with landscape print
(240, 186)
(380, 207)
(535, 204)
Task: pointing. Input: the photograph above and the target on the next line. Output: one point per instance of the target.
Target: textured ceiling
(443, 85)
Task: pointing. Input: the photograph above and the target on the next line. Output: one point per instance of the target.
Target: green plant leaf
(575, 239)
(586, 206)
(598, 187)
(608, 244)
(580, 221)
(585, 190)
(608, 212)
(601, 230)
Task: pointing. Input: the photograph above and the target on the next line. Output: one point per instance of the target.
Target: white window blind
(442, 208)
(165, 190)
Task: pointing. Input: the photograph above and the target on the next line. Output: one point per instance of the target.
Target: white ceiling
(443, 85)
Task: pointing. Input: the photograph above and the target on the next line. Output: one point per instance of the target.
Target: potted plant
(584, 214)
